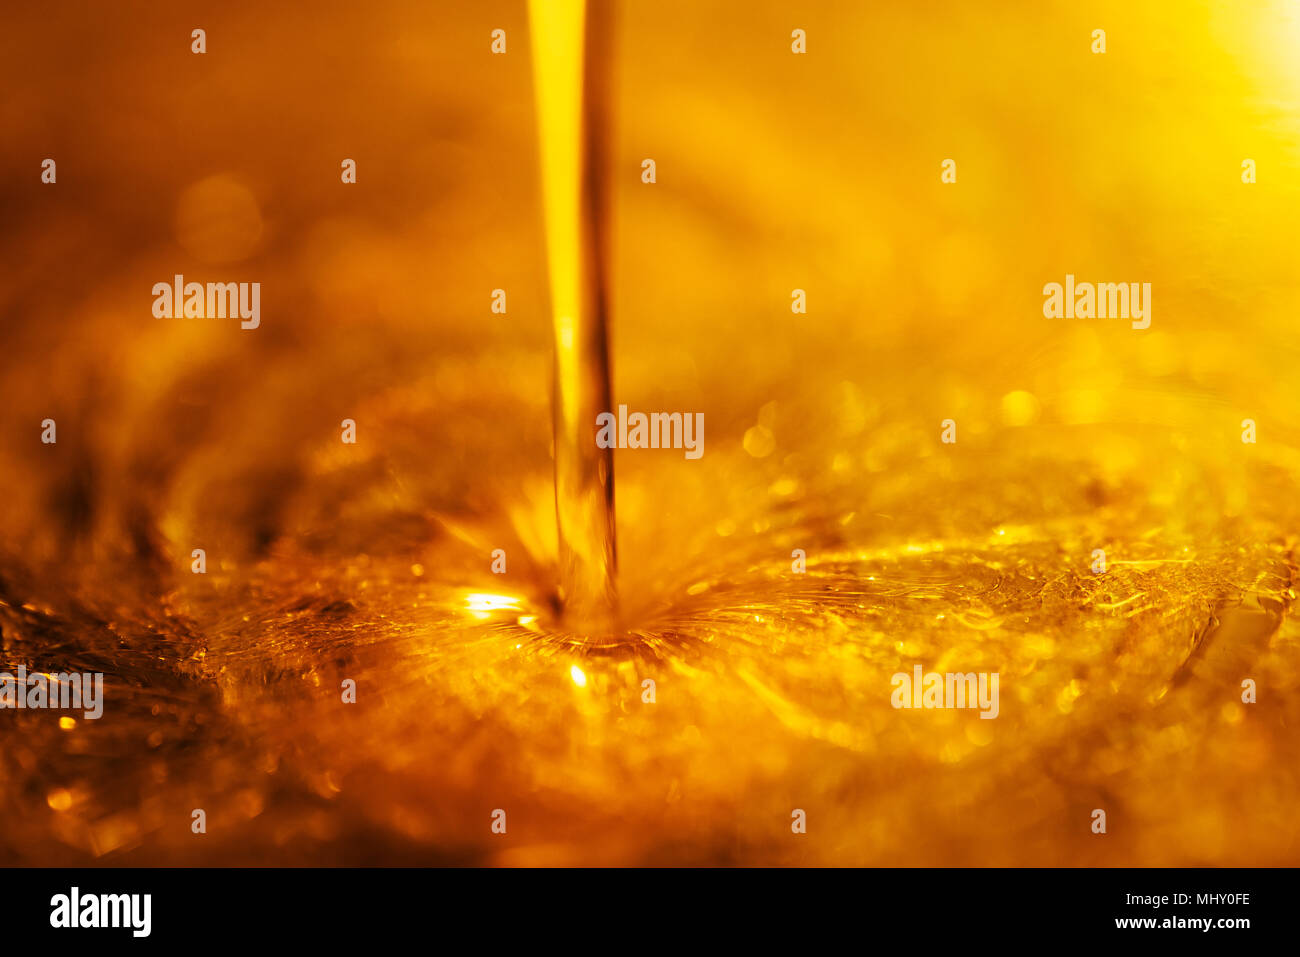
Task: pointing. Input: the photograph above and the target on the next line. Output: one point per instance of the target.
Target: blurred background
(775, 171)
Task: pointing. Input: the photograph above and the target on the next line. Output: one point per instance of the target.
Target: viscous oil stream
(570, 93)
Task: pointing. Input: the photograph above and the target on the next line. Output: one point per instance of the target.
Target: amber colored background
(775, 171)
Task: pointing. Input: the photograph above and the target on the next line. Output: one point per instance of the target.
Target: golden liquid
(370, 562)
(568, 121)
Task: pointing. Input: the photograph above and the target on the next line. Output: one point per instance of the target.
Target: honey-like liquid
(569, 117)
(826, 540)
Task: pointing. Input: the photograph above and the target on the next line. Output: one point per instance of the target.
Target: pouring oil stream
(570, 93)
